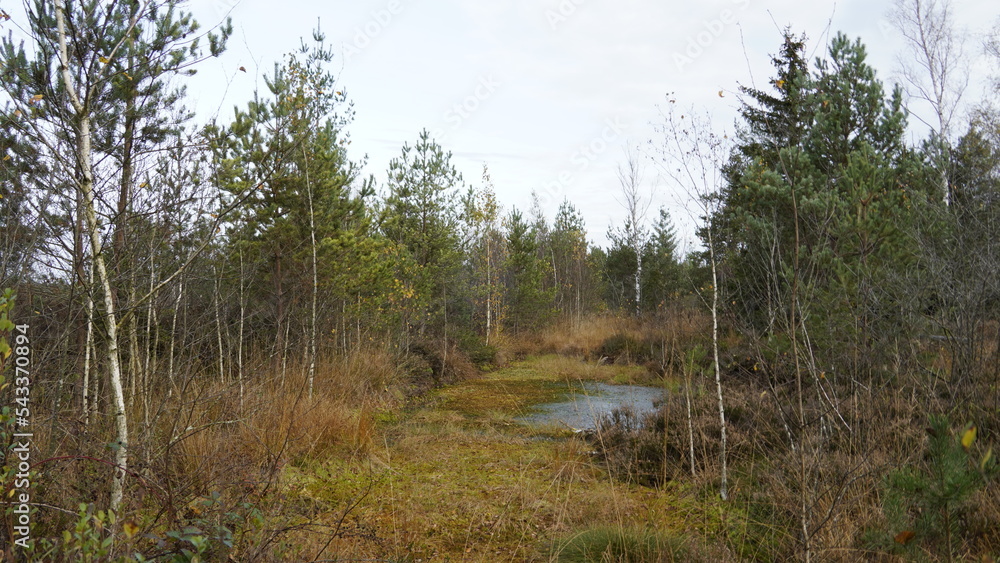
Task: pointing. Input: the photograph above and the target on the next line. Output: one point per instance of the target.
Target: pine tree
(661, 270)
(530, 303)
(568, 247)
(419, 215)
(284, 159)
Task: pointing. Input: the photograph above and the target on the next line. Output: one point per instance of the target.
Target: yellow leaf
(130, 529)
(969, 437)
(36, 98)
(780, 84)
(103, 60)
(6, 157)
(986, 459)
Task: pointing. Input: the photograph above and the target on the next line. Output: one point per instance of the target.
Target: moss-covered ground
(458, 478)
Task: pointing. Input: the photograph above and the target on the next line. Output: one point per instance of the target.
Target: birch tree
(636, 204)
(80, 102)
(485, 250)
(934, 69)
(692, 157)
(66, 94)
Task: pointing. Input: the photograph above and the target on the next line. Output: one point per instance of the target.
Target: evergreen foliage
(927, 506)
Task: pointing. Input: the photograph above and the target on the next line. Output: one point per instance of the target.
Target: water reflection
(588, 401)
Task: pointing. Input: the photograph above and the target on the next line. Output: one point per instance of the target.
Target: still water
(588, 401)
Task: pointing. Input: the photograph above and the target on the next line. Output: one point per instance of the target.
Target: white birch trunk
(88, 352)
(315, 279)
(86, 186)
(724, 487)
(218, 327)
(239, 344)
(173, 338)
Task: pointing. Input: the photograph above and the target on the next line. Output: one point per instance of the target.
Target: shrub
(634, 447)
(625, 348)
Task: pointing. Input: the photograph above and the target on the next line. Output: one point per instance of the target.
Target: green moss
(623, 545)
(460, 478)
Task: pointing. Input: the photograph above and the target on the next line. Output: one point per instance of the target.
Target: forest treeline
(177, 275)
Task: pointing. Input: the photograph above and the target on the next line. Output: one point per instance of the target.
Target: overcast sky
(546, 92)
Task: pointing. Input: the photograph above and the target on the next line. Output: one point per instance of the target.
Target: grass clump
(622, 545)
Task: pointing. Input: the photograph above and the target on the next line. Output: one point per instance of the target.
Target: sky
(547, 93)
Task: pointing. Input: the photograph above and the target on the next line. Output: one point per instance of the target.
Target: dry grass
(278, 422)
(582, 338)
(205, 442)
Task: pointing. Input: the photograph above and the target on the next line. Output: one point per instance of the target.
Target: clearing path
(461, 479)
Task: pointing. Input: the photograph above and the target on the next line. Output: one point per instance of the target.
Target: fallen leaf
(904, 537)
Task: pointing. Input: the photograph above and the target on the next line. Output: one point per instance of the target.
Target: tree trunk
(88, 353)
(218, 327)
(315, 278)
(86, 187)
(150, 349)
(239, 343)
(793, 330)
(489, 290)
(638, 281)
(724, 487)
(688, 369)
(173, 338)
